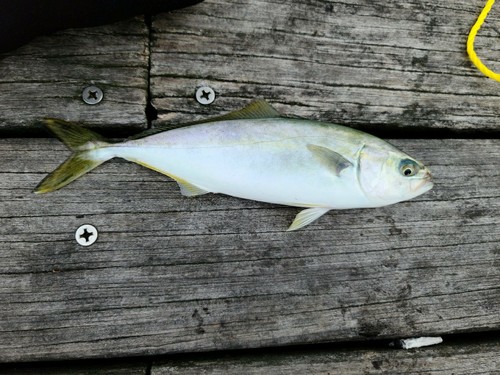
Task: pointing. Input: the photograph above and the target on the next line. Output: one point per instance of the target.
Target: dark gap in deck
(305, 349)
(151, 111)
(460, 339)
(384, 133)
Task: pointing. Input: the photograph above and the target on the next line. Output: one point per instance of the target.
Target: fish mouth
(424, 184)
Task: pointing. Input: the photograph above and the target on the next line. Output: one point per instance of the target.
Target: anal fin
(190, 190)
(307, 216)
(187, 188)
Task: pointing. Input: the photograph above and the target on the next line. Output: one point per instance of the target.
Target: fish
(255, 153)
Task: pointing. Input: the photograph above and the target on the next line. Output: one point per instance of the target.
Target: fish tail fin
(89, 151)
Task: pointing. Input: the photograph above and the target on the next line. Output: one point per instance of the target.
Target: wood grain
(46, 78)
(388, 65)
(475, 358)
(171, 274)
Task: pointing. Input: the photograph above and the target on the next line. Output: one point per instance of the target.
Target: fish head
(388, 176)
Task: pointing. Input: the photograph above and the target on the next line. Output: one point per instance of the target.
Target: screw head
(86, 235)
(205, 95)
(92, 95)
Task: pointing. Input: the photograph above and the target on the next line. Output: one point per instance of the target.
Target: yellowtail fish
(255, 153)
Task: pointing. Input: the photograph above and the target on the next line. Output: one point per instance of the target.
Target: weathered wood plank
(368, 64)
(46, 77)
(172, 274)
(480, 358)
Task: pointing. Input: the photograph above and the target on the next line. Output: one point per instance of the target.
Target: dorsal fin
(255, 110)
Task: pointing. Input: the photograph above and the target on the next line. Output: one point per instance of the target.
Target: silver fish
(255, 153)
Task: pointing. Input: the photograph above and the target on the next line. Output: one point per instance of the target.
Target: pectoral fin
(190, 190)
(331, 159)
(307, 216)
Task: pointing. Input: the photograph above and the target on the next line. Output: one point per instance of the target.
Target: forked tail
(88, 153)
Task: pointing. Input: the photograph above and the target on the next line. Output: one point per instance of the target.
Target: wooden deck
(170, 277)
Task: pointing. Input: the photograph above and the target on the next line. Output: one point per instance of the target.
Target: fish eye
(408, 168)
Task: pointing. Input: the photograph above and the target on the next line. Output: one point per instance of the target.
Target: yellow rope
(470, 43)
